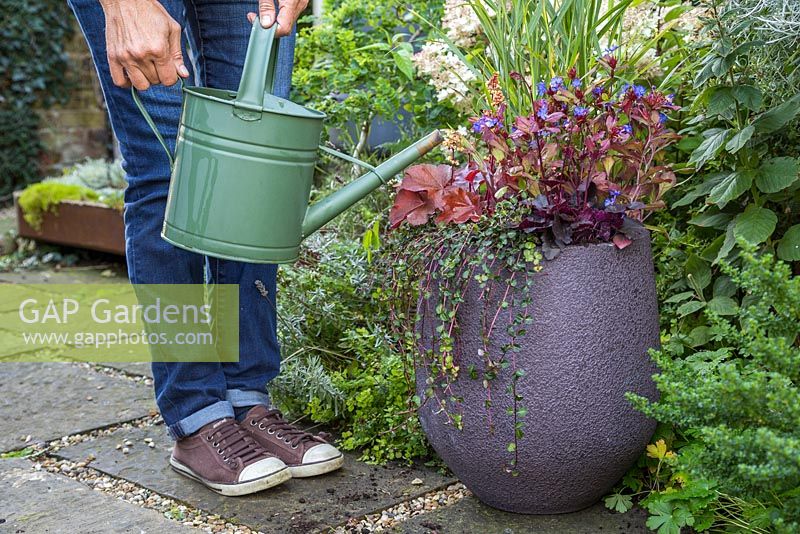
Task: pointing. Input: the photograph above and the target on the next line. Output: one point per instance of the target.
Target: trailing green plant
(355, 65)
(32, 66)
(737, 399)
(339, 367)
(494, 257)
(41, 198)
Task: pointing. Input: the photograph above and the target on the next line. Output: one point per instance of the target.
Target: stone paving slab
(68, 275)
(299, 506)
(470, 516)
(38, 502)
(49, 400)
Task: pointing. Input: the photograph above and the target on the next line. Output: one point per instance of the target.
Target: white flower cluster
(460, 23)
(444, 70)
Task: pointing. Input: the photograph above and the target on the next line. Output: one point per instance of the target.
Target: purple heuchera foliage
(579, 167)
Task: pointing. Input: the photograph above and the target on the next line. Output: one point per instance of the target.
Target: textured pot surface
(595, 316)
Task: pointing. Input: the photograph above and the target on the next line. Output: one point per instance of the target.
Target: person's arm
(287, 14)
(143, 43)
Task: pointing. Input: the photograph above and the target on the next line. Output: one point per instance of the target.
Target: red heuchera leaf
(459, 206)
(426, 177)
(416, 208)
(621, 240)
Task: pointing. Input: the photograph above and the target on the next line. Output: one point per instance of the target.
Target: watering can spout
(328, 208)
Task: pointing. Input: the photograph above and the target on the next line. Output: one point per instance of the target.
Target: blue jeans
(190, 395)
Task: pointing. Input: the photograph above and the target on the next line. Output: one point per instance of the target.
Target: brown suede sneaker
(225, 458)
(306, 454)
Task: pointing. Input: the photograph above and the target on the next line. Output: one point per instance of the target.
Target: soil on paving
(295, 507)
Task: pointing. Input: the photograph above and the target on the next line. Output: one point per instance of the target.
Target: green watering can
(244, 165)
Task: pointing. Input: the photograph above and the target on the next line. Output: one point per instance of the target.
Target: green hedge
(32, 66)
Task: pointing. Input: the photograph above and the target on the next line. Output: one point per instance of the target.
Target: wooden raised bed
(81, 224)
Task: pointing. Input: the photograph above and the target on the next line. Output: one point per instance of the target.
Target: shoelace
(273, 423)
(231, 441)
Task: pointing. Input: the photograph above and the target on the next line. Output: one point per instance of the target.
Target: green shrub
(356, 66)
(40, 198)
(744, 146)
(19, 149)
(32, 66)
(738, 399)
(338, 366)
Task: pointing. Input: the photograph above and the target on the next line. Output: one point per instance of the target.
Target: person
(227, 435)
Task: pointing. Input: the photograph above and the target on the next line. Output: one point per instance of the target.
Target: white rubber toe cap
(261, 469)
(320, 453)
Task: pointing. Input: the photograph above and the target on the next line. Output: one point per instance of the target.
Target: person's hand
(287, 14)
(143, 44)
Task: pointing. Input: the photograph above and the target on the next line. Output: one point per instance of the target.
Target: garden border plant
(581, 167)
(29, 77)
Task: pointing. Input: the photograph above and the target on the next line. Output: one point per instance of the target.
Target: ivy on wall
(33, 62)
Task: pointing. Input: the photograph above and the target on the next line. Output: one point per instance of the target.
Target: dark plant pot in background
(595, 316)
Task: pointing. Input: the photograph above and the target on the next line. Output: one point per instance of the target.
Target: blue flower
(670, 98)
(597, 91)
(576, 83)
(624, 88)
(639, 91)
(484, 123)
(541, 88)
(542, 112)
(611, 49)
(612, 198)
(662, 118)
(628, 129)
(557, 83)
(580, 111)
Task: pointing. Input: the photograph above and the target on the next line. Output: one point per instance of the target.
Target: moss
(40, 198)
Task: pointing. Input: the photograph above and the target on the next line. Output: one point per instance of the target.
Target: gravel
(402, 512)
(116, 373)
(134, 494)
(43, 457)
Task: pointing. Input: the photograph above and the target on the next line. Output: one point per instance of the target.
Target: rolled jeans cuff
(189, 425)
(240, 398)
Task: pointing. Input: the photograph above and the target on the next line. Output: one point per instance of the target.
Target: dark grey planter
(595, 316)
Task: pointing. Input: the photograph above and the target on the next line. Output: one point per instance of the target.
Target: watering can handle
(138, 101)
(352, 160)
(258, 74)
